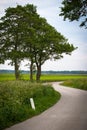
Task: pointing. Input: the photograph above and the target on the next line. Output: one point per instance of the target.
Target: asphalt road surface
(70, 113)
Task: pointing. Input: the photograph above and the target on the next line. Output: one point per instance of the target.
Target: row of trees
(25, 35)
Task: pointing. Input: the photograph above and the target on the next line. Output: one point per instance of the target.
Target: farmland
(44, 77)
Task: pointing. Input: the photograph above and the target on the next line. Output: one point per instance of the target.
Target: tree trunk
(17, 74)
(38, 73)
(31, 71)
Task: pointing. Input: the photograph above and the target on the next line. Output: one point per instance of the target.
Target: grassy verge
(76, 83)
(15, 104)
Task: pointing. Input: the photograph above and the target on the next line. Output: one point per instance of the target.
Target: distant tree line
(44, 72)
(25, 35)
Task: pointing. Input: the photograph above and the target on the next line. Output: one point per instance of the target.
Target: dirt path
(70, 113)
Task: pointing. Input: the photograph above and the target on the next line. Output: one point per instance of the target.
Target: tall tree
(12, 32)
(49, 44)
(42, 44)
(24, 34)
(29, 42)
(75, 10)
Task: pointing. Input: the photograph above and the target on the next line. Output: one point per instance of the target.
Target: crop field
(44, 77)
(7, 77)
(61, 77)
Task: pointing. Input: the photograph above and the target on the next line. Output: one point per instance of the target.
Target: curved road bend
(70, 113)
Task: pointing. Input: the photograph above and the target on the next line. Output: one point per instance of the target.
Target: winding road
(70, 113)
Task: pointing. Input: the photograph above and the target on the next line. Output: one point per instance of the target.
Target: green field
(61, 77)
(44, 77)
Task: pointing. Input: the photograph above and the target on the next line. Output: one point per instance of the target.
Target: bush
(15, 104)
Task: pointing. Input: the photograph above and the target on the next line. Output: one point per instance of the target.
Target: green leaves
(75, 10)
(25, 35)
(15, 31)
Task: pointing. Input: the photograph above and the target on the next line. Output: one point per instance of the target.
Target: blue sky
(71, 30)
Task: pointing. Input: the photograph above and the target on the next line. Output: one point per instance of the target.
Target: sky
(77, 36)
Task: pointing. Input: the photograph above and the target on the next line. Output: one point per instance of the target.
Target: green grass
(15, 104)
(76, 83)
(7, 77)
(61, 77)
(45, 77)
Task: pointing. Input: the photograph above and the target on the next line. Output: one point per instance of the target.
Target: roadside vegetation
(76, 83)
(15, 101)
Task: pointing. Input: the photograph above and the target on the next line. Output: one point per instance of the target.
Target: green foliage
(15, 104)
(14, 27)
(75, 10)
(25, 35)
(77, 83)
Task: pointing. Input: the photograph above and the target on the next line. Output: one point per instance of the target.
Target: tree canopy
(12, 31)
(25, 35)
(75, 10)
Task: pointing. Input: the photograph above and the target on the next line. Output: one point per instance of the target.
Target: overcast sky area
(77, 36)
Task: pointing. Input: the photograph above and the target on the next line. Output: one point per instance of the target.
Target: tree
(75, 10)
(24, 34)
(11, 37)
(29, 42)
(53, 49)
(47, 44)
(44, 43)
(12, 31)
